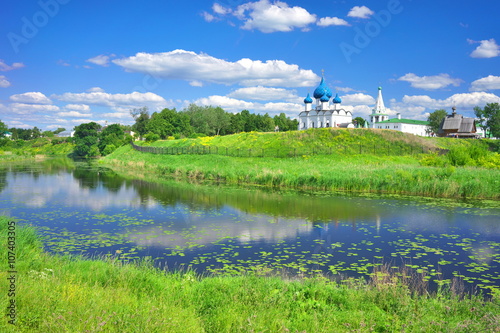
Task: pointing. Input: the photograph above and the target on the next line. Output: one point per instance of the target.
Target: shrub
(109, 149)
(151, 137)
(459, 156)
(433, 160)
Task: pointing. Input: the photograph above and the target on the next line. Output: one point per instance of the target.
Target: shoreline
(358, 174)
(71, 293)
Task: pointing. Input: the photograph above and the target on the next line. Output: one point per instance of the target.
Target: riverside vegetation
(73, 294)
(11, 150)
(464, 169)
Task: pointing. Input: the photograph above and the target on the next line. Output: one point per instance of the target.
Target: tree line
(196, 121)
(27, 133)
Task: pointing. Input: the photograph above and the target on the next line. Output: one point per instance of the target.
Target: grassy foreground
(427, 175)
(68, 294)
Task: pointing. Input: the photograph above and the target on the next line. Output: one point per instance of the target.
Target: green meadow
(73, 294)
(392, 162)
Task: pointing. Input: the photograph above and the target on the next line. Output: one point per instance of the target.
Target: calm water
(90, 210)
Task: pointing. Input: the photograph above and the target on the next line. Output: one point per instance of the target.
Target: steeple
(379, 106)
(378, 113)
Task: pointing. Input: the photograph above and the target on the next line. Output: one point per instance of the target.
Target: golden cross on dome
(322, 72)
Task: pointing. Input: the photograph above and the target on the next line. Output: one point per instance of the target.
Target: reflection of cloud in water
(208, 230)
(65, 190)
(438, 220)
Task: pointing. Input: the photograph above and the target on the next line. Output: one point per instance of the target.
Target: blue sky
(64, 62)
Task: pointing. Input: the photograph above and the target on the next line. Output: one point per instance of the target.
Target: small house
(458, 126)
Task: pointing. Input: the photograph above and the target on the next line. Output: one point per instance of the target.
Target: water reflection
(84, 208)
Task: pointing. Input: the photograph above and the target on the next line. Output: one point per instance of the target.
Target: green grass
(337, 172)
(71, 294)
(18, 149)
(371, 140)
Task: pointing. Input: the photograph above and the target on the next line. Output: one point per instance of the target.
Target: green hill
(326, 140)
(375, 161)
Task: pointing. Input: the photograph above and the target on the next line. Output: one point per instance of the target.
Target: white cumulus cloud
(73, 114)
(5, 68)
(358, 99)
(227, 103)
(360, 12)
(219, 9)
(31, 98)
(417, 105)
(134, 99)
(264, 94)
(193, 67)
(273, 17)
(430, 82)
(328, 21)
(4, 83)
(95, 89)
(101, 60)
(490, 82)
(27, 109)
(208, 17)
(486, 49)
(77, 107)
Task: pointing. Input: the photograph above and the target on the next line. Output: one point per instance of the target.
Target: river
(82, 208)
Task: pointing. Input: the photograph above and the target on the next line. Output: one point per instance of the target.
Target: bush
(433, 160)
(459, 156)
(151, 137)
(109, 149)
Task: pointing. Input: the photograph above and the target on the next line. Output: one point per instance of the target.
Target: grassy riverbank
(14, 150)
(68, 294)
(427, 175)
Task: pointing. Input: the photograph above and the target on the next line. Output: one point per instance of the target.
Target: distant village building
(380, 119)
(412, 126)
(457, 126)
(66, 134)
(7, 134)
(324, 114)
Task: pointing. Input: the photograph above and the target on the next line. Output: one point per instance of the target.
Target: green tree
(250, 120)
(36, 133)
(141, 117)
(24, 133)
(3, 129)
(86, 139)
(198, 118)
(111, 137)
(48, 134)
(220, 120)
(208, 120)
(237, 124)
(169, 122)
(282, 122)
(489, 118)
(59, 130)
(14, 132)
(360, 121)
(265, 123)
(435, 119)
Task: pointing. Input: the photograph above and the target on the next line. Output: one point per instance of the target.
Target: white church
(328, 113)
(380, 119)
(324, 114)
